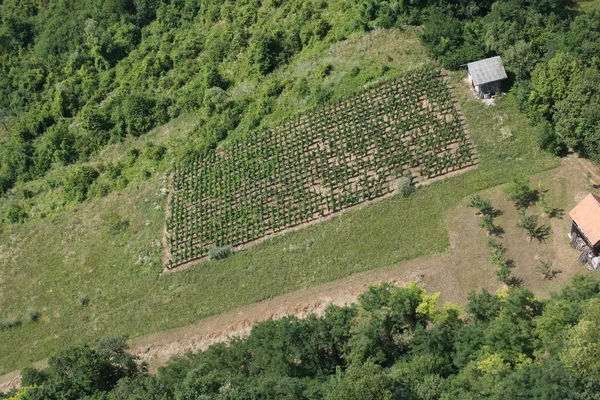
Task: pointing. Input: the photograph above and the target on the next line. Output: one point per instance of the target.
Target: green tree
(582, 347)
(520, 193)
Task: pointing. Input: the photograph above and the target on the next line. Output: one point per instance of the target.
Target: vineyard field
(316, 164)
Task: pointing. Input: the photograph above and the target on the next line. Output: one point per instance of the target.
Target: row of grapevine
(316, 164)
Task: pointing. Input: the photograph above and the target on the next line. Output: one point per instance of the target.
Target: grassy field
(94, 270)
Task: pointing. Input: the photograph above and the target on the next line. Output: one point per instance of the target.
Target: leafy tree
(520, 193)
(483, 205)
(582, 347)
(366, 381)
(138, 113)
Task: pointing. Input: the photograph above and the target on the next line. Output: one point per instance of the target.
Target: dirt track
(157, 348)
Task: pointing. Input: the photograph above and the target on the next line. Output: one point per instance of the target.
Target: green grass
(587, 5)
(49, 264)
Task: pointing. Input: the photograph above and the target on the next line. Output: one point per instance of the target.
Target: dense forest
(396, 343)
(77, 75)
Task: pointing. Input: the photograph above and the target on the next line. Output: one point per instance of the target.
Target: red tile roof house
(585, 230)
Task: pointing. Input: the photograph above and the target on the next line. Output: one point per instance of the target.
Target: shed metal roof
(587, 217)
(488, 70)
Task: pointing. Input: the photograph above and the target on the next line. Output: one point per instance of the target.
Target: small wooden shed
(485, 76)
(585, 229)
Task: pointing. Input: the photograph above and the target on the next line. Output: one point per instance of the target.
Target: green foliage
(545, 268)
(77, 183)
(138, 113)
(32, 377)
(154, 152)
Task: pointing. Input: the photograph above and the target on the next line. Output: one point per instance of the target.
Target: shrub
(9, 322)
(487, 222)
(32, 315)
(219, 252)
(405, 186)
(325, 70)
(153, 152)
(321, 96)
(77, 183)
(32, 377)
(114, 170)
(549, 141)
(15, 213)
(99, 189)
(83, 300)
(121, 183)
(132, 156)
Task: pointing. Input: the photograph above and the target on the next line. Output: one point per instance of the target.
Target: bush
(321, 96)
(83, 300)
(503, 273)
(132, 156)
(77, 183)
(405, 186)
(32, 315)
(153, 152)
(545, 268)
(548, 140)
(9, 322)
(15, 213)
(219, 252)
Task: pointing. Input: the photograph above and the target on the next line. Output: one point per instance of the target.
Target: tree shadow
(541, 233)
(514, 281)
(494, 213)
(497, 231)
(557, 213)
(552, 274)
